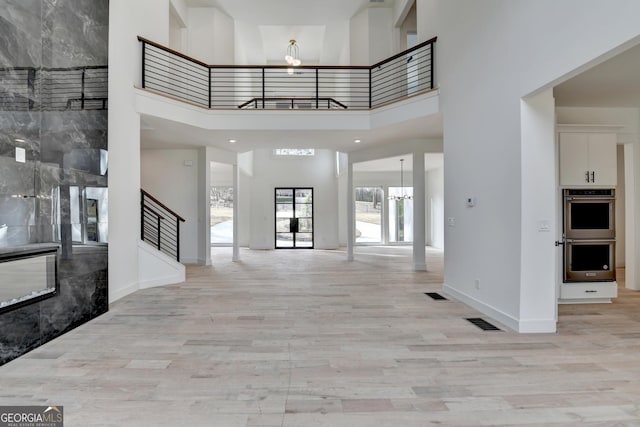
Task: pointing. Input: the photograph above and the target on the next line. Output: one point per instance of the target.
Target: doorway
(294, 218)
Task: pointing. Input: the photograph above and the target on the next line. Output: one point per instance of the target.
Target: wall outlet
(477, 283)
(451, 221)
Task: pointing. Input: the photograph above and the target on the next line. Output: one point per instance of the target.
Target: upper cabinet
(588, 159)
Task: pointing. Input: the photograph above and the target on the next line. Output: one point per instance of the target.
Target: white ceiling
(160, 133)
(613, 83)
(392, 164)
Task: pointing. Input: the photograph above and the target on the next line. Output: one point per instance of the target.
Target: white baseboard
(519, 325)
(115, 295)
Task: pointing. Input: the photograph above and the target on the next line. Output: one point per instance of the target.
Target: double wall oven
(589, 235)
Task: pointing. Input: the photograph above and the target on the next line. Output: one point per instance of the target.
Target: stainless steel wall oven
(589, 260)
(589, 214)
(589, 235)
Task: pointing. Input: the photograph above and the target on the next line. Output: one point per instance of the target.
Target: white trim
(504, 318)
(122, 292)
(520, 326)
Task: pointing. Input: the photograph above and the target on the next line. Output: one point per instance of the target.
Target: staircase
(159, 248)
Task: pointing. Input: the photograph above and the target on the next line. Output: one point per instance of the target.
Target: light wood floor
(304, 338)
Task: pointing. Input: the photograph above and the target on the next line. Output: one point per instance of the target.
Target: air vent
(483, 324)
(376, 1)
(436, 296)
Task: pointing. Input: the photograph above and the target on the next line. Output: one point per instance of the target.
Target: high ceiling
(614, 83)
(264, 27)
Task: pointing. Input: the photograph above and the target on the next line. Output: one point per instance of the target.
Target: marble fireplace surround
(50, 145)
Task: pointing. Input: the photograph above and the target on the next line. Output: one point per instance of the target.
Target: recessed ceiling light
(232, 141)
(19, 140)
(357, 141)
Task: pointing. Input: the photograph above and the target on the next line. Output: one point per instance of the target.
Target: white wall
(150, 19)
(211, 35)
(270, 172)
(359, 38)
(491, 54)
(371, 37)
(165, 176)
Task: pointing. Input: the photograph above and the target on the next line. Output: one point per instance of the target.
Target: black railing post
(158, 232)
(370, 88)
(142, 216)
(263, 83)
(317, 90)
(433, 64)
(210, 87)
(143, 63)
(178, 240)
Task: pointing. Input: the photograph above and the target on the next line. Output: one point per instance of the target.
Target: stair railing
(160, 226)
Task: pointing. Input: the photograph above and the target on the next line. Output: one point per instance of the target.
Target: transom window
(294, 152)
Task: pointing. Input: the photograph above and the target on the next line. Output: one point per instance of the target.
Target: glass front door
(294, 218)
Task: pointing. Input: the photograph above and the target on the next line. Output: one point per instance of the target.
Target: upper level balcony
(309, 87)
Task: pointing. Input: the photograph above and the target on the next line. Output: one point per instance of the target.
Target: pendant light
(402, 195)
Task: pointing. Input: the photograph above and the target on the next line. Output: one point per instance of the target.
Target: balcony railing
(282, 87)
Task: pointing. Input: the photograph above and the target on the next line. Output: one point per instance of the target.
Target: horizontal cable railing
(53, 89)
(283, 87)
(160, 226)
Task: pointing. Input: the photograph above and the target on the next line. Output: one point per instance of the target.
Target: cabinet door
(603, 160)
(574, 158)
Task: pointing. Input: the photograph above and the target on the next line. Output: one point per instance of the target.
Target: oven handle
(594, 198)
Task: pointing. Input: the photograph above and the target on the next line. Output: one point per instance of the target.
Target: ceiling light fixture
(232, 141)
(293, 54)
(357, 141)
(402, 196)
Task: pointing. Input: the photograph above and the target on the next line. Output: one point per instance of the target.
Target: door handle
(586, 176)
(593, 176)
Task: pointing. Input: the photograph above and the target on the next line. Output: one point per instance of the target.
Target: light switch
(544, 226)
(21, 155)
(451, 221)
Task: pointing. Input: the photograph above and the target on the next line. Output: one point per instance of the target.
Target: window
(221, 215)
(294, 152)
(369, 202)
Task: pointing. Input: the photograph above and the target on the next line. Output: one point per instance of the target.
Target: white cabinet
(588, 159)
(576, 292)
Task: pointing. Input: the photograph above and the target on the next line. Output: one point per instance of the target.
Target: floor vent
(435, 296)
(483, 324)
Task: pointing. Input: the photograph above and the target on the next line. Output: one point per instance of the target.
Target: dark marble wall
(53, 79)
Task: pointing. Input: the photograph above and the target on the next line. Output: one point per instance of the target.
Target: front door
(294, 218)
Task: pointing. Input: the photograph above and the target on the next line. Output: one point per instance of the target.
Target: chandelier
(293, 54)
(402, 196)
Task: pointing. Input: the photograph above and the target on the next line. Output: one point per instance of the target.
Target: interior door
(294, 218)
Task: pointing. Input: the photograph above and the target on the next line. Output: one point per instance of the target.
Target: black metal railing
(160, 226)
(279, 86)
(53, 89)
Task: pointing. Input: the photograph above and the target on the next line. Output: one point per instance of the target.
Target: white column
(204, 206)
(351, 222)
(632, 241)
(539, 215)
(419, 217)
(236, 197)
